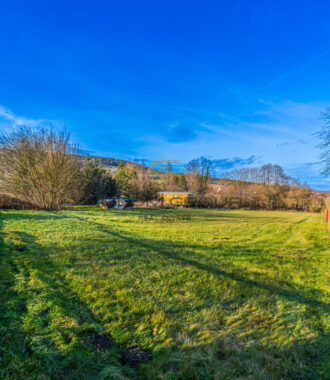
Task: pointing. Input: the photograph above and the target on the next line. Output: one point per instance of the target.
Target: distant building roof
(174, 192)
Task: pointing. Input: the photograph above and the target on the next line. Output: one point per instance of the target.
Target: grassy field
(223, 295)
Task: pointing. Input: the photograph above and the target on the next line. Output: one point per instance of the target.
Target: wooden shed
(175, 198)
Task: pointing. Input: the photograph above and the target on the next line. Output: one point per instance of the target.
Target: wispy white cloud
(309, 173)
(280, 132)
(289, 118)
(275, 122)
(9, 119)
(294, 70)
(15, 120)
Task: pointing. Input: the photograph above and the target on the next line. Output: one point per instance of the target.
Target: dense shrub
(262, 197)
(40, 167)
(8, 202)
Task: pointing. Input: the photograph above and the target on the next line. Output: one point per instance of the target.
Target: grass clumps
(201, 296)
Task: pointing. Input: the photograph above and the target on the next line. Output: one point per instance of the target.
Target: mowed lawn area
(218, 294)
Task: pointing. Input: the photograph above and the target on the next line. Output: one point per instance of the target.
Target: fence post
(327, 212)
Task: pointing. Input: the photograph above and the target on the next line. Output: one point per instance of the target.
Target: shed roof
(174, 192)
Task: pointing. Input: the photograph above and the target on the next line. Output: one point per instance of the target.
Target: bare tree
(324, 136)
(198, 175)
(40, 167)
(267, 174)
(172, 181)
(145, 188)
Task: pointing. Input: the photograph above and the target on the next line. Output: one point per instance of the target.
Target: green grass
(225, 295)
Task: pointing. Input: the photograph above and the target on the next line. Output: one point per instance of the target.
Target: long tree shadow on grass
(69, 353)
(196, 215)
(171, 252)
(44, 327)
(232, 356)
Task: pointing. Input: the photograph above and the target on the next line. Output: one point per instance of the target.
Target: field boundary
(327, 212)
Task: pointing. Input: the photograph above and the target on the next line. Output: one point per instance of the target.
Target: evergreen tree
(97, 182)
(125, 181)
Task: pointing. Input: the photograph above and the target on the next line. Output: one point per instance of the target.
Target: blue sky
(240, 82)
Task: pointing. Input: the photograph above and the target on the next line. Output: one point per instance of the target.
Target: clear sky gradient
(240, 82)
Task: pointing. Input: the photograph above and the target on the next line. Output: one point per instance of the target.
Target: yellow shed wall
(179, 199)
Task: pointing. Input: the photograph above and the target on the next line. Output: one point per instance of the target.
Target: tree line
(44, 170)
